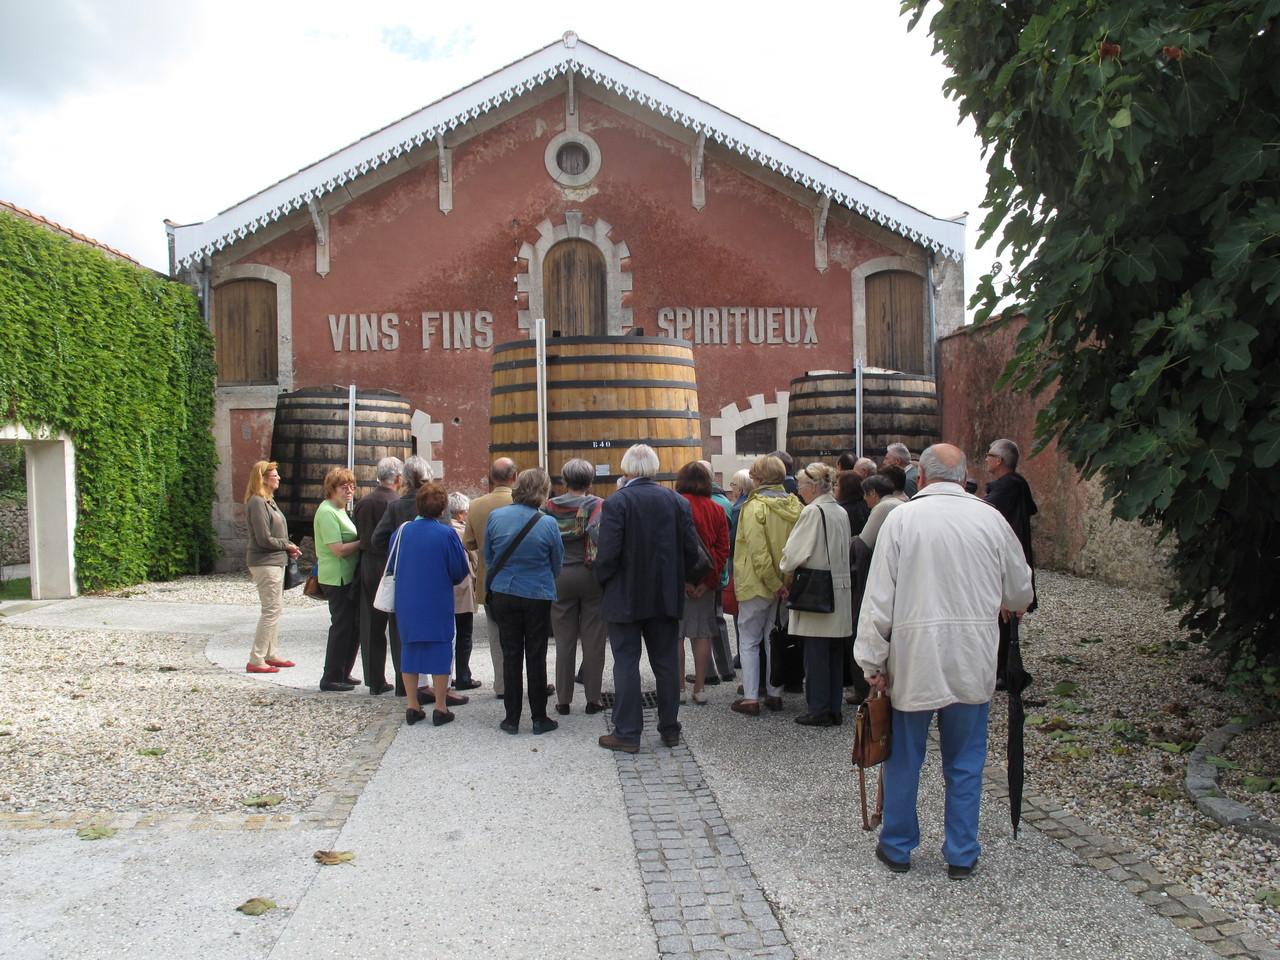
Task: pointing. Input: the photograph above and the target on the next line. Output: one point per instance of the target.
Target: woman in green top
(337, 545)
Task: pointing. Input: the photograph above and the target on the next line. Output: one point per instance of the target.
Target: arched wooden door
(896, 322)
(573, 285)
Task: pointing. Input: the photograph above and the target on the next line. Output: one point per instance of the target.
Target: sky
(115, 116)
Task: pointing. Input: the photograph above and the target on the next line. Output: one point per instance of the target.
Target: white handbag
(385, 598)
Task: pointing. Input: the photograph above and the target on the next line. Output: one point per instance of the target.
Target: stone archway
(732, 419)
(617, 272)
(51, 509)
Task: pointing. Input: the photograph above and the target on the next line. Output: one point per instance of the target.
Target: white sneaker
(700, 696)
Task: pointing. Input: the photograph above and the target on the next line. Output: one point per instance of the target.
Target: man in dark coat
(1010, 493)
(373, 622)
(647, 541)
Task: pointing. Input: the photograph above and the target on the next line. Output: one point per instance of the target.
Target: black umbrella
(1017, 680)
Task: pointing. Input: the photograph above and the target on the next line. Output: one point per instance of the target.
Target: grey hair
(819, 474)
(933, 467)
(531, 488)
(388, 468)
(416, 471)
(865, 466)
(578, 474)
(458, 503)
(900, 451)
(640, 461)
(743, 479)
(877, 483)
(1008, 451)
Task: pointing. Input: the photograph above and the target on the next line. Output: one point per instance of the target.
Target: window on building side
(756, 439)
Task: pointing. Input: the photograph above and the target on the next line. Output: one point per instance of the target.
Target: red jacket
(713, 528)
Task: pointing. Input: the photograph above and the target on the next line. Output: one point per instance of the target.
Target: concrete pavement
(743, 842)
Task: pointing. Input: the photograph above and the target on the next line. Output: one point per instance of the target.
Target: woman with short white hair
(464, 599)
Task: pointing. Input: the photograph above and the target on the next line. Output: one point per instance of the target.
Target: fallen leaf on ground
(265, 800)
(95, 833)
(257, 906)
(331, 858)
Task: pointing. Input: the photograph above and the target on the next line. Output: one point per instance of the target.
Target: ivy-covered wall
(122, 360)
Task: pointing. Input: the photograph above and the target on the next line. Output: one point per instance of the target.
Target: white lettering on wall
(738, 325)
(445, 329)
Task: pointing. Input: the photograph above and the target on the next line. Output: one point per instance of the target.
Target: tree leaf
(331, 858)
(257, 906)
(1065, 689)
(95, 833)
(265, 800)
(1222, 763)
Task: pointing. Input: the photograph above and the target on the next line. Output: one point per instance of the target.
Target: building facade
(575, 187)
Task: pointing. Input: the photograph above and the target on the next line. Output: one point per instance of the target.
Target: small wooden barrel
(603, 395)
(310, 438)
(896, 407)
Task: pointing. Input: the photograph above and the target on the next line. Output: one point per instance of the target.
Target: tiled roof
(64, 231)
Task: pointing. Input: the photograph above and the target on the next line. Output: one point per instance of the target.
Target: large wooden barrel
(310, 438)
(603, 395)
(896, 407)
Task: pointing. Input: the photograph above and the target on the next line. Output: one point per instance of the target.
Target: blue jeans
(962, 734)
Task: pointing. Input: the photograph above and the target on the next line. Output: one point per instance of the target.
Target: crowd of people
(651, 567)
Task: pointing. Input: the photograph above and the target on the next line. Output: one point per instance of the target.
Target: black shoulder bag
(812, 591)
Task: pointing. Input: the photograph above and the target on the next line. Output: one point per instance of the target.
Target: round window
(572, 159)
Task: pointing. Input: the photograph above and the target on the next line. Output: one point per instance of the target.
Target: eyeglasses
(346, 486)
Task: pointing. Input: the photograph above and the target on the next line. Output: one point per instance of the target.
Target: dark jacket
(647, 540)
(368, 514)
(1011, 495)
(397, 512)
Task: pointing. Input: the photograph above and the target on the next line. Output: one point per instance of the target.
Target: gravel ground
(75, 722)
(1112, 749)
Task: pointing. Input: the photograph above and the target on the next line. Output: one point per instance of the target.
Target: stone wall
(13, 532)
(1074, 531)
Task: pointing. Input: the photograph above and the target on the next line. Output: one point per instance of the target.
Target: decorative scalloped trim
(538, 79)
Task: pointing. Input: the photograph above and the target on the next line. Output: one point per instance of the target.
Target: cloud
(402, 40)
(55, 47)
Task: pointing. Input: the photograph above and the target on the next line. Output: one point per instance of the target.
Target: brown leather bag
(872, 738)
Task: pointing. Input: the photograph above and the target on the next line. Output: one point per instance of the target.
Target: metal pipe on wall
(540, 363)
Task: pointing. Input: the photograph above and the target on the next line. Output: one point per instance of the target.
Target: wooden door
(244, 331)
(896, 322)
(573, 290)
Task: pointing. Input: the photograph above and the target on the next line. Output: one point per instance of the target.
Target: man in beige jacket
(501, 476)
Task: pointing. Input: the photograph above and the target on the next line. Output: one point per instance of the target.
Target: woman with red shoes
(267, 553)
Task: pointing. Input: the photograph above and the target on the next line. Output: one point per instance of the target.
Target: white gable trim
(196, 241)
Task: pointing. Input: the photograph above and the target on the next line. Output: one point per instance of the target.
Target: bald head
(503, 472)
(943, 463)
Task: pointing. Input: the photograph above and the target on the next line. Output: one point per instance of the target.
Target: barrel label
(737, 325)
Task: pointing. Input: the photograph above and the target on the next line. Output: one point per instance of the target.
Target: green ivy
(1134, 178)
(121, 360)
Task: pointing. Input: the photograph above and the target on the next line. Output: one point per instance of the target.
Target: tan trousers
(495, 652)
(575, 614)
(270, 584)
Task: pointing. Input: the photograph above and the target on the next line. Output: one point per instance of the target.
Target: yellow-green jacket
(764, 523)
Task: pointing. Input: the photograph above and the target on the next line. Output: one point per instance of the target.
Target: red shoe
(281, 663)
(252, 668)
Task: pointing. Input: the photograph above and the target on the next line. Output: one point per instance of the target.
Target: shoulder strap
(506, 554)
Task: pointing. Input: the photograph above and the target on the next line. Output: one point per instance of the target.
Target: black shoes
(671, 739)
(508, 726)
(545, 725)
(467, 684)
(594, 707)
(960, 873)
(562, 709)
(897, 866)
(440, 717)
(814, 720)
(354, 681)
(412, 716)
(380, 689)
(336, 687)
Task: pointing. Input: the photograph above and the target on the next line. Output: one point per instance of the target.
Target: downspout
(933, 338)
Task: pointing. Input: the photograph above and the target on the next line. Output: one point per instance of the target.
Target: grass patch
(17, 589)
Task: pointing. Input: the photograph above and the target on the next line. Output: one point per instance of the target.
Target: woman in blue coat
(429, 561)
